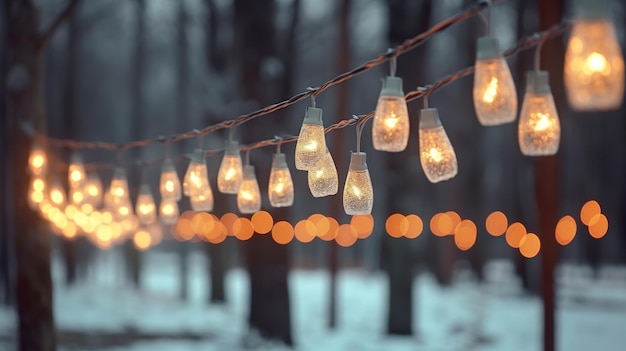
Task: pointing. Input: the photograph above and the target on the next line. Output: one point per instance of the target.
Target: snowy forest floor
(103, 313)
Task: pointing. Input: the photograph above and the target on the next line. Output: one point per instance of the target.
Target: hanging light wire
(523, 44)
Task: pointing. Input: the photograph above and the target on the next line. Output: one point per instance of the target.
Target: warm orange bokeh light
(565, 230)
(203, 223)
(228, 220)
(184, 228)
(395, 225)
(530, 245)
(589, 209)
(305, 231)
(322, 225)
(496, 223)
(282, 232)
(455, 218)
(445, 224)
(514, 234)
(465, 235)
(598, 226)
(416, 226)
(262, 222)
(434, 225)
(142, 240)
(332, 230)
(346, 235)
(363, 224)
(243, 229)
(217, 234)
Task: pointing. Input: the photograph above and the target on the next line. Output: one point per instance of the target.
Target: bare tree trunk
(547, 177)
(32, 246)
(267, 261)
(343, 61)
(133, 256)
(396, 253)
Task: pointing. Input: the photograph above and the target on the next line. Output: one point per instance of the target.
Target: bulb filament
(491, 91)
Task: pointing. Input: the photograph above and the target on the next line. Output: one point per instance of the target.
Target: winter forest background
(119, 70)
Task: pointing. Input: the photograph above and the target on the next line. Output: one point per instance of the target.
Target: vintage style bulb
(230, 174)
(539, 130)
(37, 160)
(594, 65)
(195, 170)
(280, 188)
(57, 195)
(170, 183)
(249, 195)
(323, 180)
(77, 196)
(93, 190)
(118, 190)
(36, 192)
(311, 144)
(495, 96)
(76, 173)
(123, 210)
(390, 129)
(202, 199)
(145, 207)
(436, 153)
(168, 211)
(358, 194)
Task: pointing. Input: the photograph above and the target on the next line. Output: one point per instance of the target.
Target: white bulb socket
(358, 161)
(232, 147)
(279, 160)
(429, 118)
(392, 86)
(592, 9)
(538, 82)
(487, 48)
(313, 116)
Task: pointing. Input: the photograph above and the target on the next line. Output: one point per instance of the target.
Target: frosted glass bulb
(36, 192)
(323, 180)
(37, 160)
(168, 211)
(230, 174)
(93, 190)
(202, 199)
(390, 129)
(358, 194)
(77, 196)
(311, 144)
(249, 195)
(76, 173)
(495, 96)
(280, 188)
(539, 130)
(196, 171)
(145, 207)
(57, 195)
(123, 210)
(594, 65)
(119, 185)
(170, 183)
(436, 153)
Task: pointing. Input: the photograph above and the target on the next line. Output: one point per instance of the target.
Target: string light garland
(494, 99)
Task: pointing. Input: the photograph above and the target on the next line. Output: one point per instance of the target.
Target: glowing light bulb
(119, 184)
(436, 153)
(358, 194)
(77, 196)
(280, 188)
(249, 195)
(197, 184)
(594, 65)
(495, 96)
(230, 174)
(539, 130)
(57, 195)
(311, 144)
(192, 178)
(93, 190)
(390, 129)
(37, 160)
(145, 207)
(170, 183)
(76, 173)
(168, 211)
(323, 180)
(36, 192)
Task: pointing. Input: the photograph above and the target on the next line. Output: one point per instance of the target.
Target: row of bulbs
(594, 80)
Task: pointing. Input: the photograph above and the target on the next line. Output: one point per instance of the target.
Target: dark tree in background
(25, 105)
(267, 262)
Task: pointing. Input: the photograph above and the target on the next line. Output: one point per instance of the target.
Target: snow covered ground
(494, 316)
